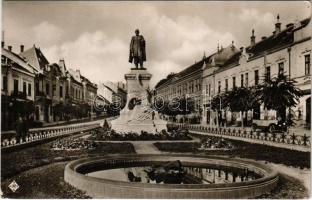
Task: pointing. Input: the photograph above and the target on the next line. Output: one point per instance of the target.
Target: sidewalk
(298, 130)
(257, 141)
(145, 148)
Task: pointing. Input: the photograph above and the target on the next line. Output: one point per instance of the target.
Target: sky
(94, 37)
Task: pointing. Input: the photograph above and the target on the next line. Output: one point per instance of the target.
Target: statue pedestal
(138, 115)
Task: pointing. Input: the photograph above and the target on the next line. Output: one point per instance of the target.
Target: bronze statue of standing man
(137, 50)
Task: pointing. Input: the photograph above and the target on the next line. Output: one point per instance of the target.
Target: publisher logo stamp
(13, 186)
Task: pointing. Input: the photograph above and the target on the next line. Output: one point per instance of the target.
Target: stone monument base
(137, 120)
(139, 116)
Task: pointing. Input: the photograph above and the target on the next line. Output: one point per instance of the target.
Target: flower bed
(212, 143)
(72, 144)
(101, 134)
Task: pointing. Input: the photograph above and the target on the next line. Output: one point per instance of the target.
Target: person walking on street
(25, 129)
(19, 129)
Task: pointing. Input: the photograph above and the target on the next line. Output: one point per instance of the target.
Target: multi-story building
(17, 87)
(43, 83)
(213, 84)
(59, 82)
(81, 91)
(114, 93)
(286, 51)
(185, 84)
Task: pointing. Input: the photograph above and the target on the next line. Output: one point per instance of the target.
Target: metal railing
(45, 133)
(291, 139)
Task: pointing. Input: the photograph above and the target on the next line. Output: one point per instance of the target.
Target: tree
(218, 103)
(278, 94)
(242, 99)
(174, 107)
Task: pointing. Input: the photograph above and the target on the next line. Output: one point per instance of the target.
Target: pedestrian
(25, 128)
(153, 115)
(19, 128)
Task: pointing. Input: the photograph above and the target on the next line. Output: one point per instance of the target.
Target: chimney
(22, 48)
(232, 46)
(252, 38)
(277, 25)
(263, 37)
(10, 48)
(2, 44)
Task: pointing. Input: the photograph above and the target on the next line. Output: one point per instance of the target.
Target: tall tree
(219, 102)
(242, 99)
(279, 93)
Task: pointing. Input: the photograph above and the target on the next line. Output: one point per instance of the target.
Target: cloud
(172, 45)
(46, 33)
(257, 18)
(160, 70)
(97, 56)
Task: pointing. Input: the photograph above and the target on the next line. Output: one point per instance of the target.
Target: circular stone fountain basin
(206, 177)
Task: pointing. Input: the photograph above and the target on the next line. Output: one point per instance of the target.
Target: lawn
(32, 157)
(42, 183)
(245, 150)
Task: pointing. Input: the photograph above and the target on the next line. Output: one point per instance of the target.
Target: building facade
(114, 93)
(17, 88)
(286, 51)
(186, 84)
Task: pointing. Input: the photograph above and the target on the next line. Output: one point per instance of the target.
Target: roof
(56, 68)
(222, 57)
(35, 57)
(83, 78)
(195, 67)
(275, 41)
(224, 54)
(18, 62)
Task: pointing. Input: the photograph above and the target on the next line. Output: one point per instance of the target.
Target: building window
(226, 85)
(29, 89)
(246, 79)
(242, 80)
(192, 86)
(280, 68)
(219, 87)
(234, 82)
(15, 86)
(256, 77)
(268, 73)
(209, 89)
(36, 88)
(307, 64)
(3, 60)
(47, 89)
(53, 90)
(24, 87)
(5, 83)
(61, 91)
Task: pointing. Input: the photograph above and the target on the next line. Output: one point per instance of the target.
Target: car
(268, 125)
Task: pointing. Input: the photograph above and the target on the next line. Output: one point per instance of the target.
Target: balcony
(18, 95)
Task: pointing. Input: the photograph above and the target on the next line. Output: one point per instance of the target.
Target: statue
(137, 50)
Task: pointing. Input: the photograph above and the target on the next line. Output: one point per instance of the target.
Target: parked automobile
(269, 125)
